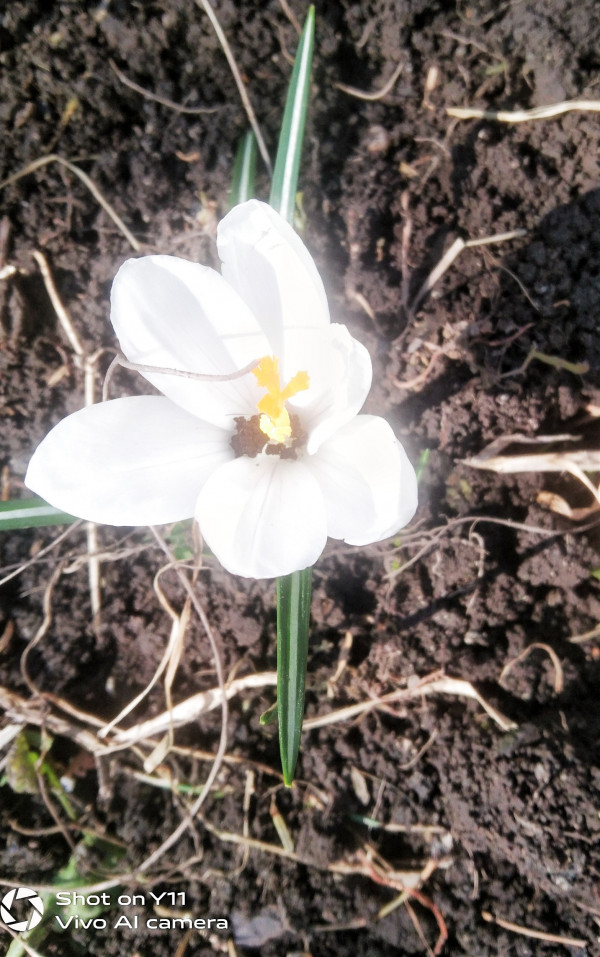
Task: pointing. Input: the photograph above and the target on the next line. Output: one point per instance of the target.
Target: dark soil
(502, 822)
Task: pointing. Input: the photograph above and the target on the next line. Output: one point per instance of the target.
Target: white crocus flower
(269, 463)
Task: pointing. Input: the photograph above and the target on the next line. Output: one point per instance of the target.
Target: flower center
(274, 431)
(275, 420)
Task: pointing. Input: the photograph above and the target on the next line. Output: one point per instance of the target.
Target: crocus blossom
(269, 462)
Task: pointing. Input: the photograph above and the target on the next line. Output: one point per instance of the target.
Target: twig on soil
(379, 94)
(421, 378)
(291, 16)
(417, 926)
(206, 6)
(193, 810)
(432, 684)
(61, 313)
(556, 503)
(191, 709)
(577, 463)
(436, 534)
(53, 812)
(536, 934)
(344, 653)
(450, 255)
(41, 554)
(88, 364)
(559, 682)
(42, 629)
(19, 709)
(177, 107)
(85, 179)
(283, 832)
(178, 622)
(524, 116)
(585, 636)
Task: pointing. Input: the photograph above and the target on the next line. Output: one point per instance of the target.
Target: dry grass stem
(197, 804)
(450, 255)
(178, 626)
(535, 934)
(344, 654)
(61, 313)
(88, 365)
(585, 636)
(20, 709)
(283, 832)
(556, 503)
(42, 629)
(433, 684)
(291, 16)
(524, 116)
(559, 682)
(85, 179)
(433, 538)
(41, 554)
(206, 6)
(191, 709)
(379, 94)
(576, 462)
(194, 110)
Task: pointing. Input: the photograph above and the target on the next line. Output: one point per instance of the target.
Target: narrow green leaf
(293, 591)
(268, 716)
(293, 619)
(289, 150)
(31, 513)
(244, 170)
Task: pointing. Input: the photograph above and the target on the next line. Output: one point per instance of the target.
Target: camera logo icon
(21, 909)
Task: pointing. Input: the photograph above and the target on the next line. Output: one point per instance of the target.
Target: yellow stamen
(275, 419)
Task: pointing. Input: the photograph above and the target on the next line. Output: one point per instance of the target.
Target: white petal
(370, 487)
(265, 260)
(340, 373)
(133, 461)
(177, 314)
(263, 517)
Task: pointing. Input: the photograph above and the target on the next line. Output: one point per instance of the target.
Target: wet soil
(490, 818)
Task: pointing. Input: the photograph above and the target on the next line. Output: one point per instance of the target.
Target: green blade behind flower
(293, 614)
(289, 149)
(293, 591)
(31, 513)
(244, 170)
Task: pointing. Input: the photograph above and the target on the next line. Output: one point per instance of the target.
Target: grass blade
(289, 150)
(31, 513)
(293, 591)
(293, 619)
(244, 171)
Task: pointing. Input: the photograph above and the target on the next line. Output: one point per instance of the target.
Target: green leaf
(289, 150)
(244, 170)
(293, 591)
(31, 513)
(293, 620)
(422, 463)
(268, 716)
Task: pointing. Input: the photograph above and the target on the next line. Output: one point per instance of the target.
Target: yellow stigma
(274, 419)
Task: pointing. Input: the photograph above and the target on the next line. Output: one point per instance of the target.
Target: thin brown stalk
(177, 107)
(205, 5)
(85, 179)
(378, 94)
